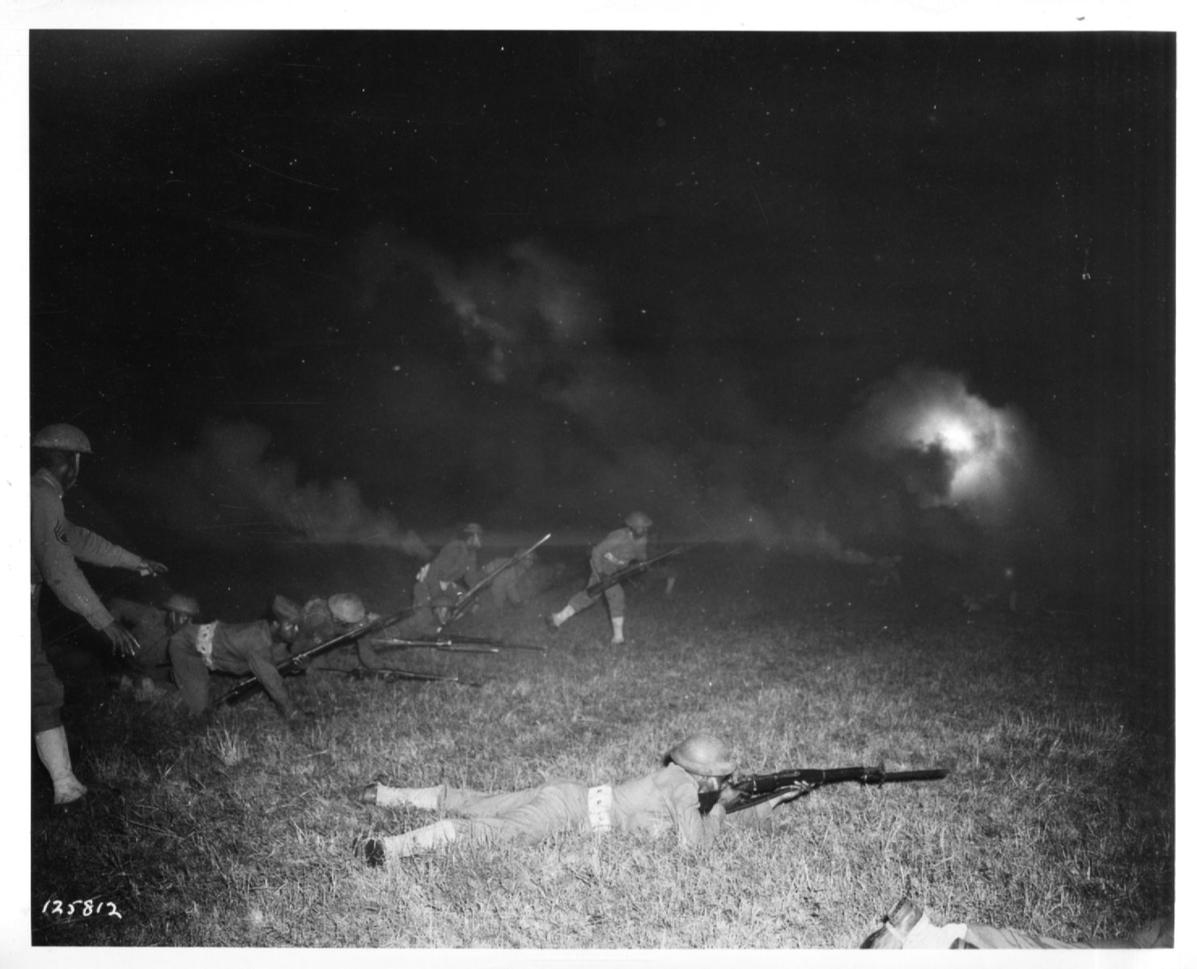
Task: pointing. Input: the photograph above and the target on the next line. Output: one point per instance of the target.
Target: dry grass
(1057, 817)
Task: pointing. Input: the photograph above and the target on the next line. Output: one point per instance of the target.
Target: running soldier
(617, 551)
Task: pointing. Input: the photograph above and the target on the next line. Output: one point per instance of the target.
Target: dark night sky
(542, 278)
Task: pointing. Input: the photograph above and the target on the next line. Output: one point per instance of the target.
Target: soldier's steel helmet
(62, 437)
(347, 607)
(284, 609)
(473, 528)
(638, 519)
(703, 754)
(177, 602)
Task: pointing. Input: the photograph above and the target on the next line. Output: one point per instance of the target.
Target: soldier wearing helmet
(617, 551)
(505, 589)
(662, 801)
(450, 574)
(324, 619)
(239, 648)
(152, 626)
(57, 548)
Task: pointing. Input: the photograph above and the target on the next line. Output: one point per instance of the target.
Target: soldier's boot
(557, 618)
(424, 798)
(53, 752)
(617, 631)
(431, 837)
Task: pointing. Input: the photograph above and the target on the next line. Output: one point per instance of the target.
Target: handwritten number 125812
(85, 907)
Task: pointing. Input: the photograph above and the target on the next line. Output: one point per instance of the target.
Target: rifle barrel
(758, 788)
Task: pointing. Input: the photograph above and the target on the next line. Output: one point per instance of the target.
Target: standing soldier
(58, 547)
(617, 551)
(452, 572)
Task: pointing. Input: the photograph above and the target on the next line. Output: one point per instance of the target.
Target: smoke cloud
(230, 487)
(575, 428)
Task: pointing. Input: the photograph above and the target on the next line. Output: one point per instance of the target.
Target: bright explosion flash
(979, 451)
(976, 439)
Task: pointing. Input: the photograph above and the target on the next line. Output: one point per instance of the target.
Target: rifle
(595, 589)
(449, 643)
(470, 594)
(389, 675)
(299, 661)
(757, 788)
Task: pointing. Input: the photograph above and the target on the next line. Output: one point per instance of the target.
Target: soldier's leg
(577, 603)
(527, 816)
(49, 735)
(455, 800)
(615, 603)
(191, 676)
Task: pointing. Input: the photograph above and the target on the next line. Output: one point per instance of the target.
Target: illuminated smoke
(529, 297)
(229, 489)
(956, 449)
(596, 434)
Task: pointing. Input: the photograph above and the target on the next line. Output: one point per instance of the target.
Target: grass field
(1057, 817)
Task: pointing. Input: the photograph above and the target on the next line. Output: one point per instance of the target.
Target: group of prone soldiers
(174, 644)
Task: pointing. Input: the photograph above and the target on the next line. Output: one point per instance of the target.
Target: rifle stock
(757, 788)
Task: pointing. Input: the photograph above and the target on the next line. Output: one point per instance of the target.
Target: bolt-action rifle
(596, 589)
(454, 643)
(460, 606)
(757, 788)
(298, 663)
(388, 675)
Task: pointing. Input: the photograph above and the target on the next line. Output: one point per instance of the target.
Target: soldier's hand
(124, 643)
(150, 567)
(785, 797)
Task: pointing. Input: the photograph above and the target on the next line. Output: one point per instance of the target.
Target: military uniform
(505, 589)
(652, 806)
(226, 647)
(317, 625)
(617, 551)
(148, 624)
(451, 573)
(58, 547)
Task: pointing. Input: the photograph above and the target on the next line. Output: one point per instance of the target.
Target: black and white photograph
(598, 489)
